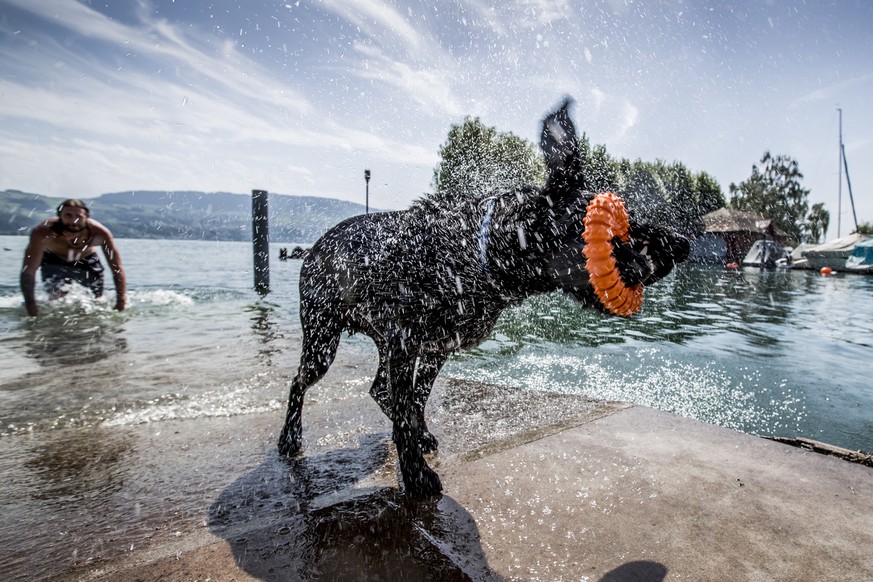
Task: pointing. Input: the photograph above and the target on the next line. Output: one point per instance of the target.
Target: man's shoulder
(98, 230)
(44, 228)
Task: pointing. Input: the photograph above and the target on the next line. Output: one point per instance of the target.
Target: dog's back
(415, 272)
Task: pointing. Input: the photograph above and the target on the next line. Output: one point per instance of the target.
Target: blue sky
(299, 96)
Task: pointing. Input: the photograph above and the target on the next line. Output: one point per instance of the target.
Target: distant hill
(185, 215)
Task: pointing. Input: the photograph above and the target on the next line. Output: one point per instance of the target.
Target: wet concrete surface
(537, 487)
(644, 486)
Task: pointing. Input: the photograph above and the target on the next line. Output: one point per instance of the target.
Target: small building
(729, 235)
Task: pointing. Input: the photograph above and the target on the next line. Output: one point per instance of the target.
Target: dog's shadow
(302, 519)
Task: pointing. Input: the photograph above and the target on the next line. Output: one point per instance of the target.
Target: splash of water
(647, 375)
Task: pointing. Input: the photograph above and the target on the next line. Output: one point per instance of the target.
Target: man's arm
(32, 260)
(110, 251)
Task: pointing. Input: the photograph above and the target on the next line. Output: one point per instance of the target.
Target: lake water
(771, 353)
(774, 353)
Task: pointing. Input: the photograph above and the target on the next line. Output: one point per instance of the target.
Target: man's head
(73, 214)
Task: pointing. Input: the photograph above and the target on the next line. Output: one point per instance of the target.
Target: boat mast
(849, 184)
(840, 183)
(844, 165)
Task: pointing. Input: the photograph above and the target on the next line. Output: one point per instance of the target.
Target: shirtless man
(66, 249)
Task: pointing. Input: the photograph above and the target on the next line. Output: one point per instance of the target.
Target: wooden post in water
(261, 241)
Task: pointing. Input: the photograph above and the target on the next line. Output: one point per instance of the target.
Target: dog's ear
(561, 148)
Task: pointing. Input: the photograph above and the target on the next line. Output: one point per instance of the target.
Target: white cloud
(174, 62)
(378, 19)
(536, 13)
(487, 14)
(598, 97)
(171, 107)
(525, 14)
(830, 92)
(430, 88)
(627, 119)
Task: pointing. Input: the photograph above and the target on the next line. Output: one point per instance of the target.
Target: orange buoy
(732, 266)
(606, 219)
(826, 271)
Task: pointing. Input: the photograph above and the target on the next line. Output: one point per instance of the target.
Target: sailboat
(833, 254)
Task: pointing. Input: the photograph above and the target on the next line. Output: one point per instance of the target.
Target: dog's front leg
(291, 436)
(419, 480)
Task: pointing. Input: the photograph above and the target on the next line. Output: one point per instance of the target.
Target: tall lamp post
(367, 194)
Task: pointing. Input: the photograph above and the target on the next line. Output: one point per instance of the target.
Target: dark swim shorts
(88, 272)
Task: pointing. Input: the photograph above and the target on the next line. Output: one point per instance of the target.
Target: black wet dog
(428, 281)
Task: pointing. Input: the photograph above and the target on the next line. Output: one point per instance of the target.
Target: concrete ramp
(646, 495)
(562, 489)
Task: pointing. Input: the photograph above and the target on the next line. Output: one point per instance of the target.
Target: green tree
(601, 170)
(477, 161)
(817, 223)
(775, 192)
(670, 194)
(645, 193)
(710, 196)
(684, 205)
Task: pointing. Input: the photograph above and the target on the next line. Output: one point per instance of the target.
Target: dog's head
(649, 254)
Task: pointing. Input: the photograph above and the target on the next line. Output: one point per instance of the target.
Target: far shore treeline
(185, 215)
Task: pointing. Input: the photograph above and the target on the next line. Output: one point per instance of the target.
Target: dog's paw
(424, 483)
(428, 443)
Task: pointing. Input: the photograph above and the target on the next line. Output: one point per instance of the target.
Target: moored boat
(766, 254)
(861, 259)
(833, 254)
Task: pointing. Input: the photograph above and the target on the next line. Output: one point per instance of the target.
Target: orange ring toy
(606, 219)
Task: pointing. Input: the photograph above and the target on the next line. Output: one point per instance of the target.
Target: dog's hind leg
(429, 365)
(425, 372)
(419, 480)
(320, 341)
